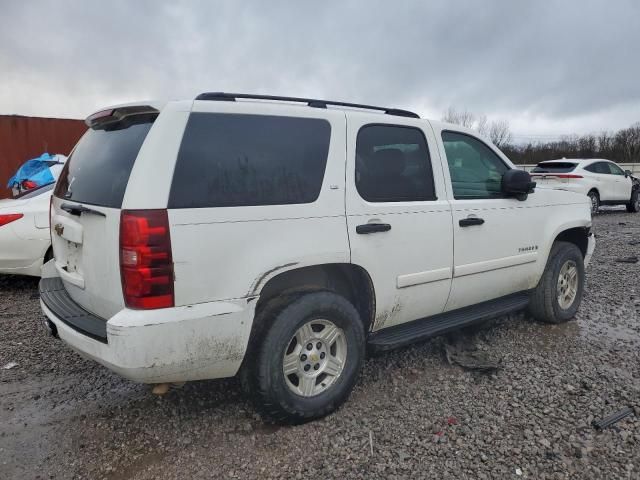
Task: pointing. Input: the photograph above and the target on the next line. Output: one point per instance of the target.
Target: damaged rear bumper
(202, 341)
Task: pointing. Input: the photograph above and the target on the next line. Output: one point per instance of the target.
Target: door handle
(469, 221)
(372, 228)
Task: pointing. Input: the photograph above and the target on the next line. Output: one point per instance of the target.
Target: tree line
(622, 146)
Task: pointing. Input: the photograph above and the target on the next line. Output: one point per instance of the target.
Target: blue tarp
(36, 170)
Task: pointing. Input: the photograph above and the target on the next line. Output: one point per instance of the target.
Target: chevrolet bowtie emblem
(59, 228)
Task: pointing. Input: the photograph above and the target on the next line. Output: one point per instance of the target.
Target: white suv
(603, 181)
(280, 238)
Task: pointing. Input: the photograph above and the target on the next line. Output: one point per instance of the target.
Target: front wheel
(308, 360)
(634, 204)
(558, 295)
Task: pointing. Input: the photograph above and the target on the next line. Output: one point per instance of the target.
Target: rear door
(85, 209)
(398, 216)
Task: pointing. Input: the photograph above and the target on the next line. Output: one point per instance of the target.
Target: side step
(422, 329)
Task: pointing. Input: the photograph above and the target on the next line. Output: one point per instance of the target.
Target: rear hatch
(85, 207)
(554, 174)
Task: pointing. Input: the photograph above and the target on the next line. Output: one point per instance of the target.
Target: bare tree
(464, 118)
(482, 125)
(499, 132)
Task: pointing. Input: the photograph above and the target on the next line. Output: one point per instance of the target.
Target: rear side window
(229, 160)
(393, 165)
(476, 171)
(98, 170)
(554, 167)
(598, 167)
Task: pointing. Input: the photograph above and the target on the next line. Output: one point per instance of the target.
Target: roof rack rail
(231, 97)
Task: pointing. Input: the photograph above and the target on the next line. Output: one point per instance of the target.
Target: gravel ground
(412, 415)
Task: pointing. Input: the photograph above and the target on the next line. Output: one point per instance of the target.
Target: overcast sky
(548, 67)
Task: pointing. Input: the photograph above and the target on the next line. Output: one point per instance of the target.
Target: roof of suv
(311, 102)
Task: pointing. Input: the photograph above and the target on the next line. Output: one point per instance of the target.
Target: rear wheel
(634, 204)
(595, 201)
(308, 359)
(558, 295)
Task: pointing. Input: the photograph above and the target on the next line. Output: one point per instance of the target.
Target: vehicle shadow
(18, 283)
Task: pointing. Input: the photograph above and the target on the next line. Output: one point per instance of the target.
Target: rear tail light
(146, 263)
(11, 217)
(28, 185)
(568, 175)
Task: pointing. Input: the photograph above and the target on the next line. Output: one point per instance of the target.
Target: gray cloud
(548, 67)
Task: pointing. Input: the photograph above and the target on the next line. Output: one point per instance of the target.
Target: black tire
(595, 201)
(634, 204)
(544, 304)
(262, 375)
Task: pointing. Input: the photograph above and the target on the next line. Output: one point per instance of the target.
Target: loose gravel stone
(62, 416)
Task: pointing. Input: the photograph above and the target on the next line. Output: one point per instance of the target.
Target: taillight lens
(146, 263)
(29, 184)
(11, 217)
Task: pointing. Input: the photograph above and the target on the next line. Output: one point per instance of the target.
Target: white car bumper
(177, 344)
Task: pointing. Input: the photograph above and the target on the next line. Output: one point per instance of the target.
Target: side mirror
(517, 183)
(627, 173)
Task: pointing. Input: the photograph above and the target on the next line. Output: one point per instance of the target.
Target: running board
(407, 333)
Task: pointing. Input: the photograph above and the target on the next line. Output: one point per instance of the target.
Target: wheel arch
(347, 279)
(579, 236)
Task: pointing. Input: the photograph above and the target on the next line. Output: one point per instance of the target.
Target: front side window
(393, 164)
(476, 171)
(229, 160)
(614, 169)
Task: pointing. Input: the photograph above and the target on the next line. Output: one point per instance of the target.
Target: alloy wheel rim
(594, 203)
(314, 358)
(567, 287)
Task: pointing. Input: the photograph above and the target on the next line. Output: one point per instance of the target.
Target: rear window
(98, 170)
(229, 160)
(554, 167)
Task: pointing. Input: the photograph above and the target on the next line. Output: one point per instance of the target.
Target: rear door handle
(372, 228)
(467, 222)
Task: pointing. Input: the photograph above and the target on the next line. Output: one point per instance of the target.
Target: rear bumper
(177, 344)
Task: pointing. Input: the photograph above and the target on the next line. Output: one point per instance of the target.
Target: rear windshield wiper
(78, 209)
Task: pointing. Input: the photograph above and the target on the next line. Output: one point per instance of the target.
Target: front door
(398, 217)
(496, 239)
(620, 184)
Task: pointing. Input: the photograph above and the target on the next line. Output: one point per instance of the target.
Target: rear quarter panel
(231, 252)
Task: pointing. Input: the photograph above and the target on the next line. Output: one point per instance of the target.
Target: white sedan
(602, 180)
(24, 232)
